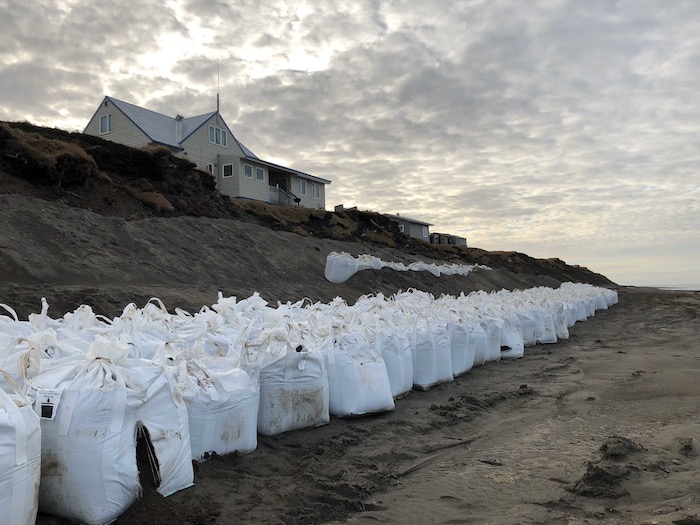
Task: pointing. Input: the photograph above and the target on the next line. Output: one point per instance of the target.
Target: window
(302, 187)
(260, 174)
(228, 170)
(248, 170)
(217, 136)
(105, 124)
(210, 167)
(315, 191)
(402, 228)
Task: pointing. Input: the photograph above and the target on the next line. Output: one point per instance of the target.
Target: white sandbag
(90, 413)
(20, 458)
(395, 348)
(548, 334)
(357, 377)
(462, 352)
(222, 405)
(512, 345)
(476, 337)
(492, 328)
(528, 327)
(340, 267)
(432, 354)
(293, 385)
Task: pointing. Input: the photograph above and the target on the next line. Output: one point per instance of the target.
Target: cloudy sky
(558, 128)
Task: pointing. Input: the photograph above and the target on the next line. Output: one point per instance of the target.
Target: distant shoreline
(676, 287)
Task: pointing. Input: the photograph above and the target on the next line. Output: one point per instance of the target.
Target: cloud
(558, 128)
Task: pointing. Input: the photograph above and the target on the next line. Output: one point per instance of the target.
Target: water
(680, 287)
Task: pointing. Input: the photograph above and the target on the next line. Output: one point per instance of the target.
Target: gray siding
(200, 151)
(252, 188)
(228, 185)
(308, 200)
(123, 130)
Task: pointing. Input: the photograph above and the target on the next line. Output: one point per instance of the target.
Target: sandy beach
(602, 428)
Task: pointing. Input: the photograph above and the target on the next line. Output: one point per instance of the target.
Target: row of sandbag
(209, 382)
(340, 266)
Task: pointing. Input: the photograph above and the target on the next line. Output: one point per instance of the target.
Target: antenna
(218, 81)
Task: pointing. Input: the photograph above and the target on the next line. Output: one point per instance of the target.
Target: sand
(602, 428)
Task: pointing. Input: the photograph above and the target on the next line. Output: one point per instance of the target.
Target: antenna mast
(218, 81)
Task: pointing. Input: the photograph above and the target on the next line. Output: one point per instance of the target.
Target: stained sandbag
(91, 413)
(293, 382)
(20, 458)
(222, 405)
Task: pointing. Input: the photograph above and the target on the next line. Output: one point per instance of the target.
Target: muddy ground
(601, 428)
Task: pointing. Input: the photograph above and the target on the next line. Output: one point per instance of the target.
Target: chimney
(178, 128)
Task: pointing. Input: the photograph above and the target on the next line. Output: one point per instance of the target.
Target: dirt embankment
(90, 221)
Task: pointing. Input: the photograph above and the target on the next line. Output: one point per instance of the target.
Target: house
(207, 141)
(412, 227)
(446, 238)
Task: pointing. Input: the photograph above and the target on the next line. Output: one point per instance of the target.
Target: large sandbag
(432, 354)
(357, 377)
(222, 405)
(91, 413)
(20, 458)
(340, 267)
(293, 385)
(395, 348)
(462, 352)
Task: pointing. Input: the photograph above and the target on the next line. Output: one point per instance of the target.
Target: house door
(281, 184)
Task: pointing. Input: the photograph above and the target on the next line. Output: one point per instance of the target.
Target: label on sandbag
(45, 401)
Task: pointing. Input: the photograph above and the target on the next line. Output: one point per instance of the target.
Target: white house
(412, 227)
(207, 141)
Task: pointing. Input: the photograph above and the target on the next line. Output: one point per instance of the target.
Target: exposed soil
(602, 428)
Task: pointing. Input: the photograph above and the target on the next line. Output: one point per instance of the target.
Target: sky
(556, 128)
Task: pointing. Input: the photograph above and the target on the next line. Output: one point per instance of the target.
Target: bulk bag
(357, 376)
(293, 385)
(432, 354)
(340, 267)
(546, 332)
(222, 406)
(461, 351)
(20, 458)
(92, 412)
(476, 337)
(395, 348)
(492, 328)
(512, 344)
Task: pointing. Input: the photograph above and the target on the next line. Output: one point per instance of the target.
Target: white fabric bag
(357, 376)
(222, 405)
(462, 351)
(395, 348)
(293, 385)
(340, 267)
(20, 458)
(432, 354)
(90, 413)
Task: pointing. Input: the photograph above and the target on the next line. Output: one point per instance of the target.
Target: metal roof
(300, 174)
(163, 129)
(407, 219)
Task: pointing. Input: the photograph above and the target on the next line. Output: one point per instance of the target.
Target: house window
(402, 228)
(248, 170)
(210, 167)
(260, 174)
(302, 187)
(315, 191)
(217, 136)
(105, 124)
(228, 170)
